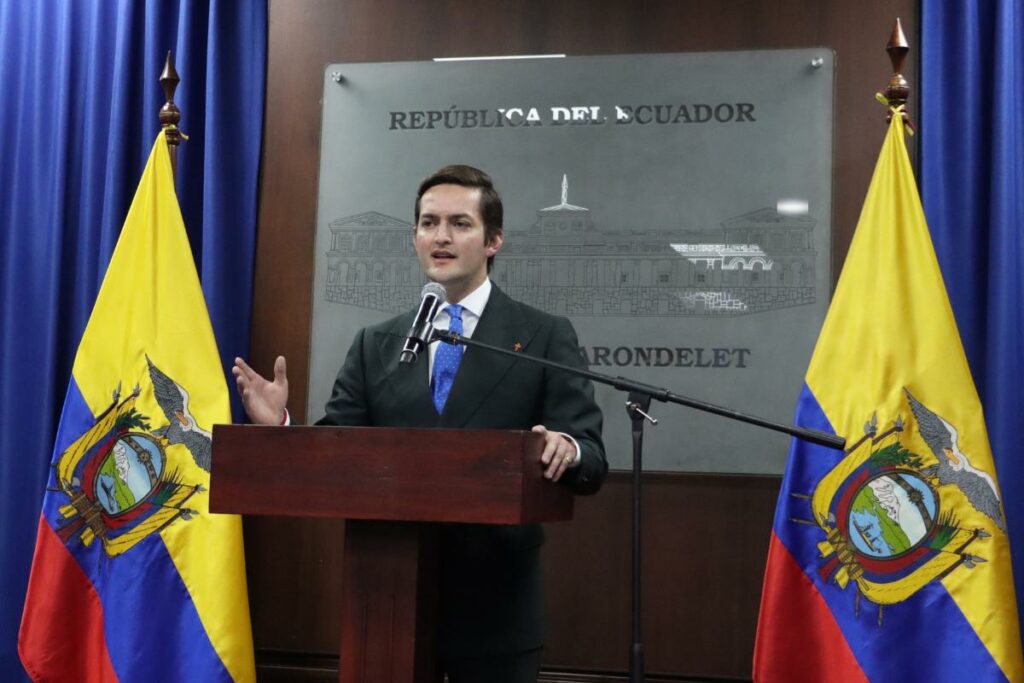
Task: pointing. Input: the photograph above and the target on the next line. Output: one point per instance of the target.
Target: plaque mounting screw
(336, 76)
(817, 62)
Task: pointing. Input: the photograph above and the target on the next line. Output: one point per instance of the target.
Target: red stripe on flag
(797, 638)
(61, 636)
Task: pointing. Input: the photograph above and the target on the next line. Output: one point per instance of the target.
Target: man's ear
(494, 245)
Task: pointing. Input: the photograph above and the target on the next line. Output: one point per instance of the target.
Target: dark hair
(491, 210)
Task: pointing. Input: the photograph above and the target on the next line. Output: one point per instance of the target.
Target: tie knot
(454, 311)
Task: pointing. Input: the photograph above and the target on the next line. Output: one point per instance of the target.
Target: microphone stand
(637, 405)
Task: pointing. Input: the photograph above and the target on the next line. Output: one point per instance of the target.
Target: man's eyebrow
(431, 214)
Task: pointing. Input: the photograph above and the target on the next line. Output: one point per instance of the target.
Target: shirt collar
(476, 301)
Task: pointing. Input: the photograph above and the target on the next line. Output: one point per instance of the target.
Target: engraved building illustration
(563, 263)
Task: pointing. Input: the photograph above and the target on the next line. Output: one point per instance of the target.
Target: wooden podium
(392, 484)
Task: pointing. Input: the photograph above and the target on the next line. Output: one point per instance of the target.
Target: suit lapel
(503, 325)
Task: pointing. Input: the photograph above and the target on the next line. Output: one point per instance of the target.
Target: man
(491, 618)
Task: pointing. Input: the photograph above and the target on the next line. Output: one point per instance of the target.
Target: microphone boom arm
(814, 436)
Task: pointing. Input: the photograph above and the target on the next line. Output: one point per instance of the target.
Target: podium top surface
(423, 475)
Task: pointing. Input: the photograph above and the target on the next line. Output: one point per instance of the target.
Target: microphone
(432, 297)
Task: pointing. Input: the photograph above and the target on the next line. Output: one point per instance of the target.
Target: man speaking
(491, 615)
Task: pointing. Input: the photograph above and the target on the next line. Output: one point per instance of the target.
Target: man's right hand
(264, 401)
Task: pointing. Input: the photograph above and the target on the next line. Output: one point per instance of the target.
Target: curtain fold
(79, 115)
(972, 184)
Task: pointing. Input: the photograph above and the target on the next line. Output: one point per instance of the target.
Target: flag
(890, 561)
(132, 578)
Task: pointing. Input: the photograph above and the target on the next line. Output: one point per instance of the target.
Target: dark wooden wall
(706, 535)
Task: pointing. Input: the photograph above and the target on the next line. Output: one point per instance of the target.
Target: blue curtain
(972, 173)
(78, 116)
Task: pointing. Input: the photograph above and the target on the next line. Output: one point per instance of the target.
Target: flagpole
(170, 115)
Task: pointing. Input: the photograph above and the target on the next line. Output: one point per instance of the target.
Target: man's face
(449, 239)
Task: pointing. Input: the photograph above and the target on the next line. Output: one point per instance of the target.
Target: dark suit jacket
(491, 600)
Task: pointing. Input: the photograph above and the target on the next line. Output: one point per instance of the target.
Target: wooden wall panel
(704, 543)
(707, 535)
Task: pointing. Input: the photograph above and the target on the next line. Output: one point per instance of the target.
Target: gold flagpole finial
(170, 115)
(898, 90)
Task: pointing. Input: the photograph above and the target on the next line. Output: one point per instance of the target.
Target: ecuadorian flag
(890, 562)
(132, 578)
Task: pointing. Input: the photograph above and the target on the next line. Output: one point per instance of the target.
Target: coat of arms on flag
(121, 476)
(889, 512)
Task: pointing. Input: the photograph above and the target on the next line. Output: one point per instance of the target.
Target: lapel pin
(517, 347)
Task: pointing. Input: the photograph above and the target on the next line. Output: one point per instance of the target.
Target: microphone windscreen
(435, 289)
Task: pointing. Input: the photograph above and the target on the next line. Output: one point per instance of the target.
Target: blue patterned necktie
(446, 361)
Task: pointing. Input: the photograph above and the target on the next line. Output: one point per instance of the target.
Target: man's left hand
(559, 453)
